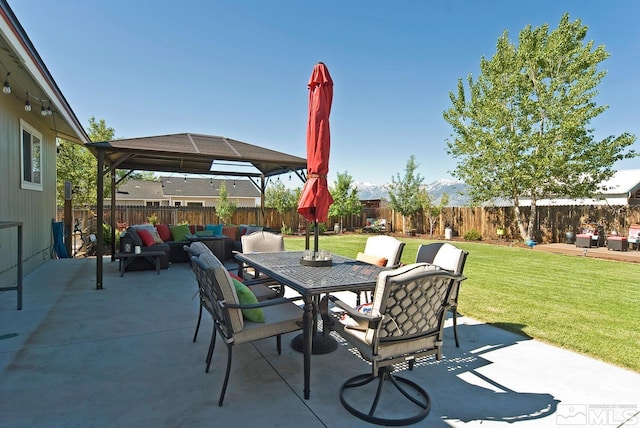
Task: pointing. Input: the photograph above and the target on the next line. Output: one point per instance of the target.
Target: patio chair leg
(195, 335)
(226, 376)
(212, 346)
(279, 344)
(454, 310)
(407, 388)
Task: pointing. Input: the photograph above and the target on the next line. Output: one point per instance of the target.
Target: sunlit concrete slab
(124, 356)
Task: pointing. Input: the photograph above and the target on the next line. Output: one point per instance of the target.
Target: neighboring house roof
(178, 186)
(620, 189)
(623, 182)
(29, 75)
(140, 190)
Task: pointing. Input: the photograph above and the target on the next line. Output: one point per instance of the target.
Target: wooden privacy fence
(553, 222)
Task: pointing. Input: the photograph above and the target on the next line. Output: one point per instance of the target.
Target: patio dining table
(344, 274)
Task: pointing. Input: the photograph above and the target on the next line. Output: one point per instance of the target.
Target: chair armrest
(328, 320)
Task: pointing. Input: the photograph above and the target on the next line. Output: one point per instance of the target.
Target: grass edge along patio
(582, 304)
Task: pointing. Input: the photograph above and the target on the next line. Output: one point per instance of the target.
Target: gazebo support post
(100, 215)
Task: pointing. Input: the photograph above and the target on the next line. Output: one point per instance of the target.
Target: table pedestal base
(321, 344)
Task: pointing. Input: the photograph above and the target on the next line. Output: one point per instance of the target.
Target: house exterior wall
(36, 209)
(171, 201)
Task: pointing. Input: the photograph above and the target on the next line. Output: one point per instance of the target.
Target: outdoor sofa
(172, 238)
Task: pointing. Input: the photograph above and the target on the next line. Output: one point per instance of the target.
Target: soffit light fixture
(6, 89)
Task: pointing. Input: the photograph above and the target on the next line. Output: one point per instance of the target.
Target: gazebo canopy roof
(197, 154)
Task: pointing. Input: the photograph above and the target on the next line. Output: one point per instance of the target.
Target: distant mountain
(455, 190)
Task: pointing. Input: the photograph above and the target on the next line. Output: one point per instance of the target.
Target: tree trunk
(518, 218)
(532, 218)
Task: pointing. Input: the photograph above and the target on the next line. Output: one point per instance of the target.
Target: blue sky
(240, 68)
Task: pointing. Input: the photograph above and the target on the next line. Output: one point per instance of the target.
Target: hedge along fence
(554, 222)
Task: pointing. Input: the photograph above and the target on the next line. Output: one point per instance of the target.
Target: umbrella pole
(315, 237)
(306, 237)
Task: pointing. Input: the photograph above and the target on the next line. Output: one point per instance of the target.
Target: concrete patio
(124, 357)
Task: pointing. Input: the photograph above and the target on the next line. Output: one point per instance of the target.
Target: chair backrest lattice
(412, 301)
(414, 308)
(446, 256)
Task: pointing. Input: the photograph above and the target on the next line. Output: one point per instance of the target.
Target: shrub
(286, 230)
(473, 235)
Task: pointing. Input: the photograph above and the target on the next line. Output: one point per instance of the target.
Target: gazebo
(185, 153)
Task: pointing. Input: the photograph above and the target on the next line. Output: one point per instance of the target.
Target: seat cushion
(279, 319)
(226, 286)
(196, 248)
(385, 246)
(448, 257)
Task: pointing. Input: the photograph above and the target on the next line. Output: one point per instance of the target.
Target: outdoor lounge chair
(406, 322)
(381, 250)
(452, 259)
(280, 315)
(259, 242)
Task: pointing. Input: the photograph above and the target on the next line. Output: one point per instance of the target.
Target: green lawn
(587, 305)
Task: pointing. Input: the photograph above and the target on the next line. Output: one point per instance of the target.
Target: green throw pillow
(246, 297)
(178, 232)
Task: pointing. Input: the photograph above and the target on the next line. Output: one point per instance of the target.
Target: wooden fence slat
(554, 221)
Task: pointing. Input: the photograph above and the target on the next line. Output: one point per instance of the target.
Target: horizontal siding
(36, 209)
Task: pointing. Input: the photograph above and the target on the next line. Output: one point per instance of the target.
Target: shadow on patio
(123, 356)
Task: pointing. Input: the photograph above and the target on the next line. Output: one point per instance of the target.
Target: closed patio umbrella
(315, 198)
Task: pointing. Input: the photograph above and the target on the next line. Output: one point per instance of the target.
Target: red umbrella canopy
(315, 199)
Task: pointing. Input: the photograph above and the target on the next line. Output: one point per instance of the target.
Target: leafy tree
(78, 165)
(431, 210)
(523, 127)
(225, 208)
(404, 193)
(345, 198)
(282, 199)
